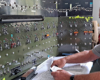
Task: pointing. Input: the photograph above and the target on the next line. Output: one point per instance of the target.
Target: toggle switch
(61, 33)
(61, 25)
(75, 25)
(17, 30)
(47, 35)
(1, 47)
(5, 32)
(90, 25)
(36, 39)
(7, 54)
(76, 32)
(75, 44)
(90, 32)
(57, 34)
(8, 70)
(27, 29)
(28, 41)
(85, 32)
(18, 43)
(71, 25)
(85, 43)
(4, 71)
(71, 34)
(13, 44)
(54, 26)
(85, 25)
(48, 27)
(3, 66)
(35, 28)
(42, 28)
(6, 46)
(43, 37)
(90, 43)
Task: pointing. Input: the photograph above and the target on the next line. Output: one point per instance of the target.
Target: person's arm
(63, 75)
(81, 57)
(91, 76)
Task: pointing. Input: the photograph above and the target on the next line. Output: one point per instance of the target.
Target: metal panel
(21, 7)
(67, 36)
(76, 7)
(29, 4)
(49, 8)
(38, 40)
(13, 8)
(4, 8)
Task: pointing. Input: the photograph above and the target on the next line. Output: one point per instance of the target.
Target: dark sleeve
(96, 50)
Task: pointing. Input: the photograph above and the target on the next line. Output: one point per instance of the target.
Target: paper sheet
(45, 74)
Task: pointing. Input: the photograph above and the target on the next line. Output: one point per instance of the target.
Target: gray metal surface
(67, 36)
(28, 7)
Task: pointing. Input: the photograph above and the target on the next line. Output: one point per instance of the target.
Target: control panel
(25, 44)
(75, 31)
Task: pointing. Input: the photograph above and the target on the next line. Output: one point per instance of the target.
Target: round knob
(7, 54)
(85, 25)
(3, 66)
(61, 26)
(90, 43)
(85, 43)
(61, 44)
(71, 34)
(70, 25)
(9, 64)
(75, 25)
(70, 43)
(75, 43)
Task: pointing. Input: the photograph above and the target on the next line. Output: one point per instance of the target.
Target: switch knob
(42, 27)
(90, 25)
(6, 45)
(61, 26)
(36, 39)
(48, 27)
(85, 32)
(0, 47)
(13, 44)
(85, 43)
(5, 31)
(54, 26)
(27, 29)
(71, 34)
(76, 32)
(75, 25)
(70, 25)
(17, 30)
(85, 25)
(35, 28)
(18, 43)
(28, 41)
(43, 37)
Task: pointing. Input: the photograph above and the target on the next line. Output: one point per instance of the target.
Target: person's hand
(61, 75)
(59, 63)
